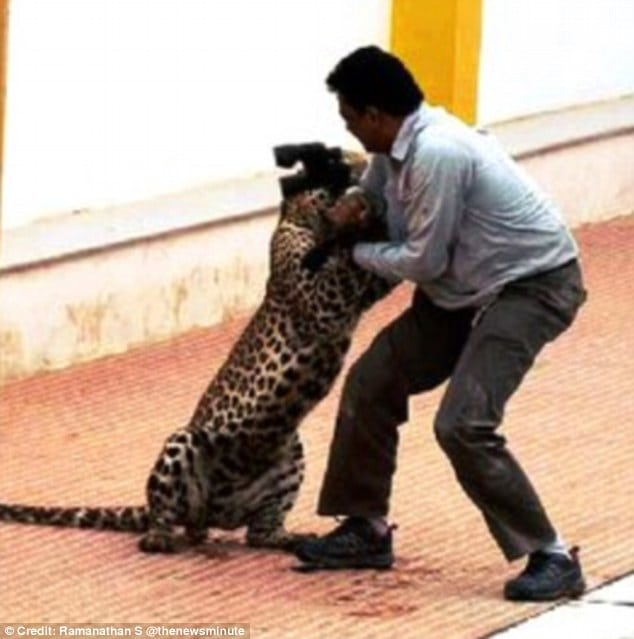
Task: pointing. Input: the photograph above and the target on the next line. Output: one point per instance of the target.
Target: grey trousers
(485, 356)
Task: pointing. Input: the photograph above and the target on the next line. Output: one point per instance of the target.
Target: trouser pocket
(560, 290)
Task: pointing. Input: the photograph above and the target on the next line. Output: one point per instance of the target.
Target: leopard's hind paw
(159, 542)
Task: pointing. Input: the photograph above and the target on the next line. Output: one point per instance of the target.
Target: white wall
(116, 100)
(111, 101)
(540, 55)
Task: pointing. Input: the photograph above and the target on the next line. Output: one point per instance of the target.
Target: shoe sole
(311, 564)
(573, 592)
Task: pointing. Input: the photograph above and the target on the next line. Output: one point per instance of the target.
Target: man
(497, 277)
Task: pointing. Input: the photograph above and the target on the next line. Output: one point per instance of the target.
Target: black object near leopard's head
(322, 167)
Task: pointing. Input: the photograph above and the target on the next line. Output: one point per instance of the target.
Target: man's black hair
(370, 76)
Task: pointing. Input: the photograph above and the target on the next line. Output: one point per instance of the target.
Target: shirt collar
(413, 123)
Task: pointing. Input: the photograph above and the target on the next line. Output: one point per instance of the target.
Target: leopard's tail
(123, 518)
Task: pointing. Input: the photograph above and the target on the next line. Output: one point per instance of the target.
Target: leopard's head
(332, 297)
(306, 210)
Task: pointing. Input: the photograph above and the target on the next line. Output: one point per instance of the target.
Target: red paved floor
(89, 435)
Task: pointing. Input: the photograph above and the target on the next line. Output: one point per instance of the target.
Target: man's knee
(449, 431)
(460, 431)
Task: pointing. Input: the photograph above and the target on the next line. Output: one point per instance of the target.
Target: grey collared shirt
(463, 217)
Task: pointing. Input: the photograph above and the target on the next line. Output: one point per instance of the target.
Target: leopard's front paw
(315, 258)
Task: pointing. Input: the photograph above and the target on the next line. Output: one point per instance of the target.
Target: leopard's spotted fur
(239, 461)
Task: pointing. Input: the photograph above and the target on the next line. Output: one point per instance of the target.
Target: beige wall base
(82, 308)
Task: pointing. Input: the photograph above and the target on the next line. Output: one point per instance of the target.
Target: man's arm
(434, 200)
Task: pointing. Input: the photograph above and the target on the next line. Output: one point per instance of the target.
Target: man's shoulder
(442, 142)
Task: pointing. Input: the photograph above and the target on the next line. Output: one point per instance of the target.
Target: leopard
(239, 461)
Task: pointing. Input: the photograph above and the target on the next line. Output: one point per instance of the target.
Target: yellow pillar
(439, 41)
(4, 22)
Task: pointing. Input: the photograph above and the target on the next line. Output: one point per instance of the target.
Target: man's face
(365, 125)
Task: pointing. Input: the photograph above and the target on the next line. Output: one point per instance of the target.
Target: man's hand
(349, 210)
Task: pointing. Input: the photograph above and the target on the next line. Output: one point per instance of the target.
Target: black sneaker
(547, 577)
(353, 544)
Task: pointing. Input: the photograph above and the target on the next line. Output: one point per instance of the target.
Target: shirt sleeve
(432, 199)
